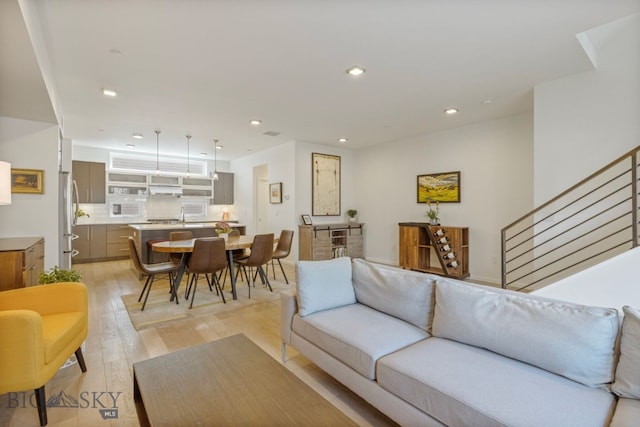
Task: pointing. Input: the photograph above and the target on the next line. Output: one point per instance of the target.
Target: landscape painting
(439, 187)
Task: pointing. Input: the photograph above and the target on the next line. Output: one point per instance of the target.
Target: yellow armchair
(40, 328)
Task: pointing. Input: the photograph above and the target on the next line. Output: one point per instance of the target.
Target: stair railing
(588, 223)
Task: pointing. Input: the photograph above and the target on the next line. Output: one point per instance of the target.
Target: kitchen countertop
(179, 226)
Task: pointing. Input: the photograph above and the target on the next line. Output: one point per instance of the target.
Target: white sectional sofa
(426, 350)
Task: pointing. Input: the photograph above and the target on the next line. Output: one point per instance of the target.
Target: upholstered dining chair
(208, 257)
(282, 250)
(174, 257)
(40, 328)
(261, 251)
(150, 271)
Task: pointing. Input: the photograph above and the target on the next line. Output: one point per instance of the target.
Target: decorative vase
(352, 219)
(434, 221)
(225, 236)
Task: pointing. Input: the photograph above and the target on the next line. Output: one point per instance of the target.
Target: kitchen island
(144, 233)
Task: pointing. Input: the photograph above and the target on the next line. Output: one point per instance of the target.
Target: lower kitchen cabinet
(101, 242)
(21, 262)
(118, 241)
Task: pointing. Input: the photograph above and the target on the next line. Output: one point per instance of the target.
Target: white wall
(494, 159)
(32, 145)
(586, 120)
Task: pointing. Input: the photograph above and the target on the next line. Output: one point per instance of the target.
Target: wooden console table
(434, 249)
(327, 241)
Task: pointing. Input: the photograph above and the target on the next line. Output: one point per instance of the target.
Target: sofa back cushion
(323, 285)
(575, 341)
(628, 371)
(407, 295)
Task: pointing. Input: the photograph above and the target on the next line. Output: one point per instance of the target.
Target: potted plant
(351, 214)
(57, 275)
(223, 229)
(432, 213)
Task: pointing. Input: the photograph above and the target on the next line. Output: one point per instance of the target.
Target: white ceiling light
(109, 92)
(215, 160)
(131, 146)
(255, 122)
(451, 111)
(203, 154)
(356, 71)
(342, 140)
(137, 135)
(188, 165)
(157, 131)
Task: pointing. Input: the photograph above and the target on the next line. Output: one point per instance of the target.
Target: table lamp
(5, 183)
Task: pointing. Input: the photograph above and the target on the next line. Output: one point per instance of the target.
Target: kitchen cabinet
(21, 262)
(90, 178)
(118, 241)
(223, 189)
(91, 243)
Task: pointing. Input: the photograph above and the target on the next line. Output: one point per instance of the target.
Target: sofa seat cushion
(627, 413)
(357, 335)
(407, 295)
(59, 330)
(462, 385)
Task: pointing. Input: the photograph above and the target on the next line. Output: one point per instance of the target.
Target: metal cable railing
(588, 223)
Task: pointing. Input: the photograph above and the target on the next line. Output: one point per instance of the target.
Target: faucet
(182, 214)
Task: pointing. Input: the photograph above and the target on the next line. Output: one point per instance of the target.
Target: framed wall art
(439, 187)
(275, 192)
(325, 185)
(27, 181)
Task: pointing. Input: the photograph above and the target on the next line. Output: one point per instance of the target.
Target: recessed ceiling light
(356, 71)
(451, 111)
(487, 100)
(343, 140)
(115, 52)
(109, 92)
(130, 146)
(255, 122)
(137, 135)
(203, 154)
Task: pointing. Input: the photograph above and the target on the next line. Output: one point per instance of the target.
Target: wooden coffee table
(231, 381)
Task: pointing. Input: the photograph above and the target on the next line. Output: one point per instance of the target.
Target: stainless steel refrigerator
(68, 218)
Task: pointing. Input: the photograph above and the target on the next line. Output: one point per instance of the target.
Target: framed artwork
(275, 192)
(306, 219)
(27, 181)
(439, 187)
(325, 185)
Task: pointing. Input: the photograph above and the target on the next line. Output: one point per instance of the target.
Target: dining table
(185, 247)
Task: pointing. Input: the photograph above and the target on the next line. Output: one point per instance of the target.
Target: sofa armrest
(22, 349)
(47, 299)
(288, 308)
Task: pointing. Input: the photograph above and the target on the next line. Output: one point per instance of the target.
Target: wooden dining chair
(150, 271)
(282, 251)
(208, 257)
(261, 251)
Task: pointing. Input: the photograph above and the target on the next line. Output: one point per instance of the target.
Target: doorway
(261, 198)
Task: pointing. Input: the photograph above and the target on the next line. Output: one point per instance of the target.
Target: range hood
(165, 190)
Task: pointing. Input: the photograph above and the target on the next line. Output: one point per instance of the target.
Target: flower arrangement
(223, 227)
(432, 213)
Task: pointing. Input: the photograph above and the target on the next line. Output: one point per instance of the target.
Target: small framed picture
(27, 181)
(275, 192)
(306, 219)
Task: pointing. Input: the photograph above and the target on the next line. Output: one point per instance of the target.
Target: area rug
(159, 310)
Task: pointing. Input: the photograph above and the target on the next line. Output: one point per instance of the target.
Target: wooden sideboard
(21, 262)
(327, 241)
(434, 249)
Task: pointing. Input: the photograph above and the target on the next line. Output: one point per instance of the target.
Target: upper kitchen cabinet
(91, 182)
(223, 189)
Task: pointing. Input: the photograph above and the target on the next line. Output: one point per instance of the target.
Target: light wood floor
(113, 345)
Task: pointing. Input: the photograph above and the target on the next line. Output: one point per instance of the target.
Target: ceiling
(207, 68)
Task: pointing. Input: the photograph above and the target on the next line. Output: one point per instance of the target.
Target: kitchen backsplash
(131, 210)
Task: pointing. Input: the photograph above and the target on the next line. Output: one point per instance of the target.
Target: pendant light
(215, 160)
(188, 165)
(157, 131)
